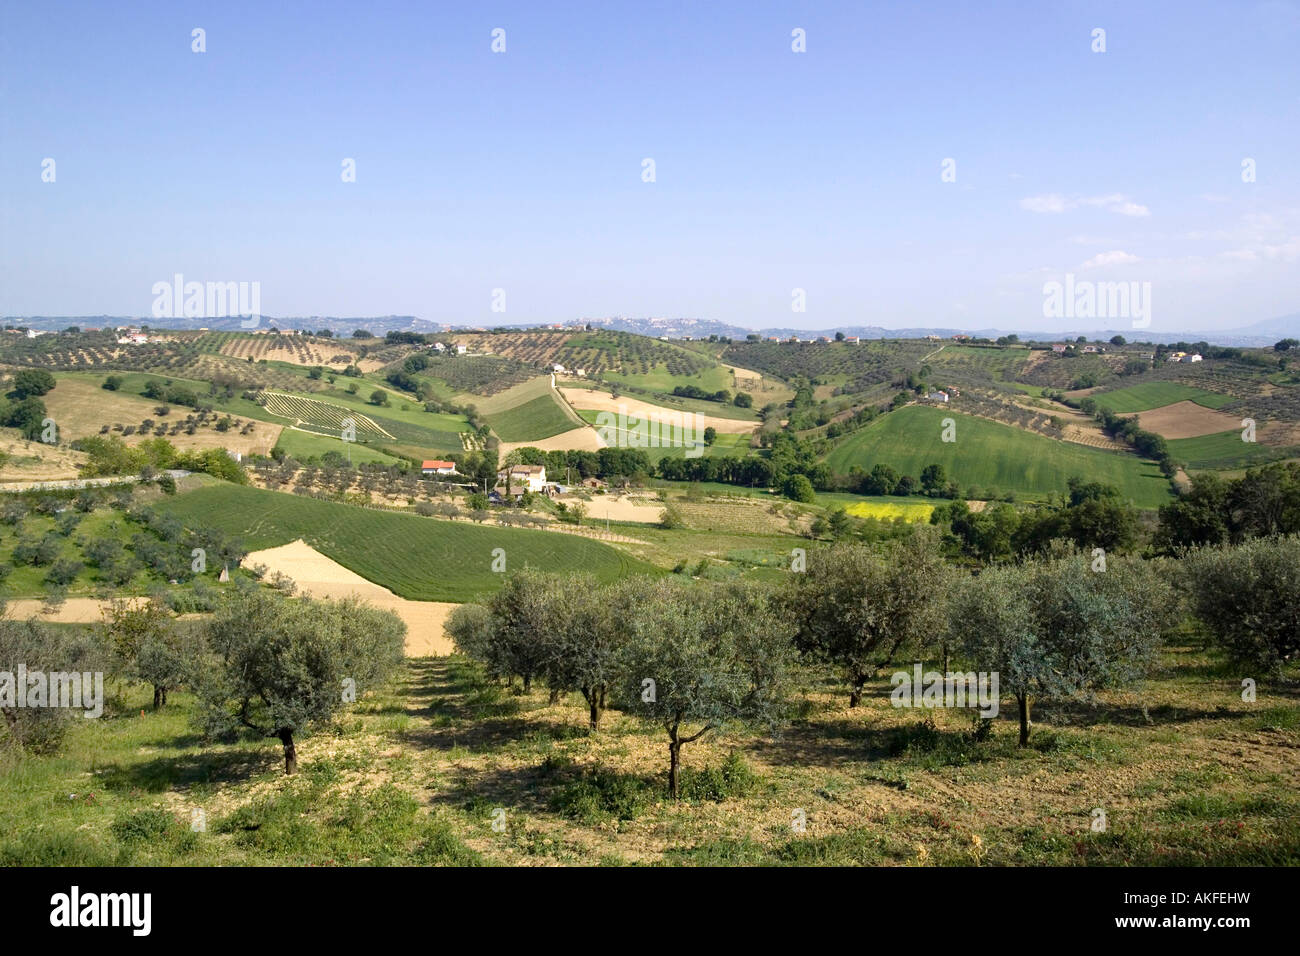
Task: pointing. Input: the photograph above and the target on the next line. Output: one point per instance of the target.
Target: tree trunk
(290, 752)
(1023, 700)
(602, 698)
(555, 696)
(157, 697)
(595, 713)
(946, 662)
(528, 683)
(855, 695)
(164, 690)
(674, 757)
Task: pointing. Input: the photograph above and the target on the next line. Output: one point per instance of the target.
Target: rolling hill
(424, 559)
(993, 456)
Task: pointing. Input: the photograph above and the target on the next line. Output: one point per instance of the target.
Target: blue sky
(774, 170)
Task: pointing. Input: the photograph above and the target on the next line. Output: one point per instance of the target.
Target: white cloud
(1116, 257)
(1056, 203)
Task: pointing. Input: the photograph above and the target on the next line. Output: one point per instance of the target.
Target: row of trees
(692, 656)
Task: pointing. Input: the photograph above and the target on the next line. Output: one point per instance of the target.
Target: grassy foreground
(1186, 772)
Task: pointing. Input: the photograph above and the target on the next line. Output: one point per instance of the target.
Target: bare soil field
(33, 461)
(585, 438)
(322, 577)
(622, 508)
(1187, 420)
(593, 400)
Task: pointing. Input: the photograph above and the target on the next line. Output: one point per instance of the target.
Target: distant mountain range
(1259, 334)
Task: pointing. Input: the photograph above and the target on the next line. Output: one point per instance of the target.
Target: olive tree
(32, 646)
(521, 611)
(151, 645)
(860, 611)
(283, 666)
(1249, 598)
(698, 656)
(581, 640)
(1058, 629)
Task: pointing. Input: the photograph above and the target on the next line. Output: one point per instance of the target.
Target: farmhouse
(530, 477)
(436, 467)
(1059, 347)
(939, 396)
(961, 338)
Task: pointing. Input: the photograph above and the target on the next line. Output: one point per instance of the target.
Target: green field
(1222, 450)
(723, 444)
(424, 559)
(302, 445)
(1149, 395)
(993, 456)
(532, 420)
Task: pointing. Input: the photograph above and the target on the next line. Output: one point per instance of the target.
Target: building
(961, 338)
(1176, 356)
(460, 350)
(436, 467)
(939, 396)
(1193, 358)
(853, 340)
(527, 477)
(1059, 347)
(933, 338)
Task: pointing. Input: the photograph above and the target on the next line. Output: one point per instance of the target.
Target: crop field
(1222, 450)
(323, 417)
(884, 509)
(993, 456)
(723, 444)
(1150, 395)
(302, 445)
(964, 363)
(474, 375)
(860, 366)
(540, 417)
(423, 559)
(293, 349)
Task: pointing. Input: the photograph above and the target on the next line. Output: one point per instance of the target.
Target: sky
(917, 164)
